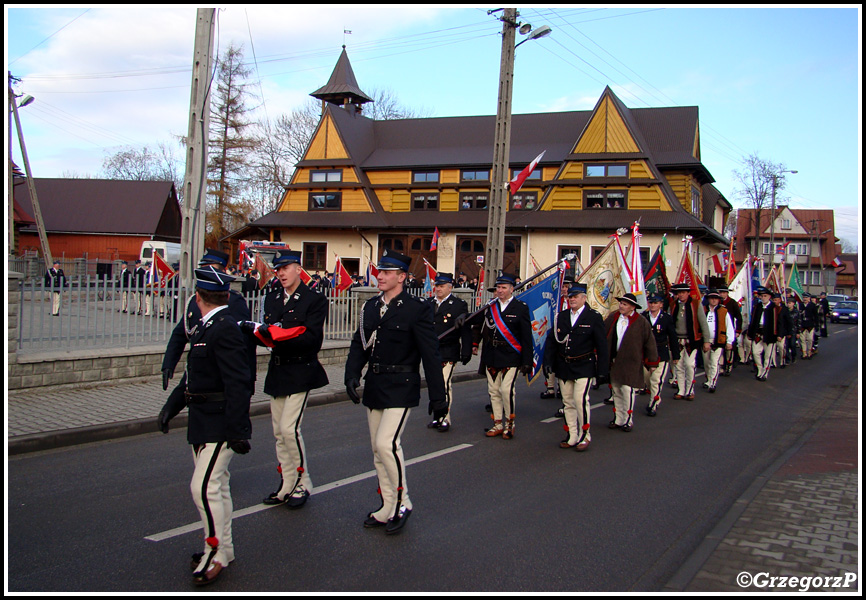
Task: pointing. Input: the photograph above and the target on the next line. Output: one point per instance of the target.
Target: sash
(503, 328)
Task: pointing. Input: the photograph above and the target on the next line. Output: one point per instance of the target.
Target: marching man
(692, 334)
(668, 350)
(722, 338)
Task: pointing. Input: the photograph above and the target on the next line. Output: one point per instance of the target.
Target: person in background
(55, 281)
(668, 348)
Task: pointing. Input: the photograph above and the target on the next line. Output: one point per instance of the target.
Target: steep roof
(102, 205)
(342, 84)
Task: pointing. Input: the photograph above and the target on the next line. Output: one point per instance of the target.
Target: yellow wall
(327, 143)
(606, 132)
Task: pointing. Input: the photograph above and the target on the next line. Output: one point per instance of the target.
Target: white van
(169, 251)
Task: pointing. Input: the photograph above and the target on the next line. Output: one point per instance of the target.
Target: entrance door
(417, 247)
(470, 248)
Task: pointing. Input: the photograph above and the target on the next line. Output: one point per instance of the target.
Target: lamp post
(811, 250)
(775, 177)
(502, 142)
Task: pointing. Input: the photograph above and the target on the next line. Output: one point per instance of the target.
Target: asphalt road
(490, 515)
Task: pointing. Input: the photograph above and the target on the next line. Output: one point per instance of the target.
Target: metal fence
(96, 312)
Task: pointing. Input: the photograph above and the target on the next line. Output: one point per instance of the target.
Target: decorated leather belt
(377, 368)
(579, 358)
(202, 398)
(497, 343)
(290, 360)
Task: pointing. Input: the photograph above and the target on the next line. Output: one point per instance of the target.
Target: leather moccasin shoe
(395, 525)
(274, 499)
(372, 522)
(582, 447)
(626, 428)
(297, 500)
(209, 575)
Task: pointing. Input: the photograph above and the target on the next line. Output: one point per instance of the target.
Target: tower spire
(342, 88)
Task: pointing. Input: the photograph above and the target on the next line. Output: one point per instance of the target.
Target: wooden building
(99, 218)
(364, 186)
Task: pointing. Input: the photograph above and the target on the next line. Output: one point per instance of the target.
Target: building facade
(365, 186)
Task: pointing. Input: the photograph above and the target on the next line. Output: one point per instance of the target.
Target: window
(425, 201)
(786, 223)
(595, 251)
(614, 170)
(802, 249)
(395, 244)
(696, 202)
(326, 200)
(524, 201)
(474, 200)
(536, 174)
(475, 175)
(421, 244)
(315, 256)
(563, 250)
(605, 199)
(425, 177)
(326, 176)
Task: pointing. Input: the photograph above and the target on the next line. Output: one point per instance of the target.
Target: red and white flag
(160, 271)
(515, 184)
(342, 279)
(837, 262)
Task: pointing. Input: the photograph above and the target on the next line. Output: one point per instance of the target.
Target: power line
(50, 36)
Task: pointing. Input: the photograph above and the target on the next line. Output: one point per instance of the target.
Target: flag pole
(517, 288)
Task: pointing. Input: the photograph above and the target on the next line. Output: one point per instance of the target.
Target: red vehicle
(266, 250)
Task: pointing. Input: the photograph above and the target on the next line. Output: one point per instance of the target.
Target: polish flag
(435, 243)
(342, 279)
(515, 184)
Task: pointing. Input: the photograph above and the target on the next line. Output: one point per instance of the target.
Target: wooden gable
(606, 131)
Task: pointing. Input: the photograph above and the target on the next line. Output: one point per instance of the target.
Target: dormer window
(425, 177)
(605, 199)
(326, 176)
(607, 170)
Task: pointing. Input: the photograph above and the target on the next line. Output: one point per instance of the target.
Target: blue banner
(543, 301)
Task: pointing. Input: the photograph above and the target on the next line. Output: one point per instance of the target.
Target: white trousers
(713, 365)
(210, 492)
(447, 372)
(806, 342)
(762, 353)
(623, 404)
(685, 370)
(501, 390)
(575, 400)
(386, 429)
(287, 412)
(653, 381)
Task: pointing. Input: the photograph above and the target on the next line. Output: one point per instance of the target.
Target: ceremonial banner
(604, 280)
(687, 274)
(638, 286)
(656, 278)
(772, 281)
(342, 279)
(160, 271)
(543, 301)
(795, 286)
(264, 270)
(429, 277)
(372, 274)
(740, 289)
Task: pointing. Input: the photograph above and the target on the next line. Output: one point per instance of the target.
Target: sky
(783, 83)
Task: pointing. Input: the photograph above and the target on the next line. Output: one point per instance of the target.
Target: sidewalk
(46, 418)
(798, 521)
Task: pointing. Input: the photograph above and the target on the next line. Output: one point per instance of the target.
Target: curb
(51, 440)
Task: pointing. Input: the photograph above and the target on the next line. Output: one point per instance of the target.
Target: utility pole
(31, 185)
(195, 179)
(501, 145)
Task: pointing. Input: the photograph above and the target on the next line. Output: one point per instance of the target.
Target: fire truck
(248, 250)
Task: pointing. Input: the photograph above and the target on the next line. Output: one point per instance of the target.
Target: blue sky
(783, 83)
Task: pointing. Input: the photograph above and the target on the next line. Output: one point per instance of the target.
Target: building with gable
(365, 186)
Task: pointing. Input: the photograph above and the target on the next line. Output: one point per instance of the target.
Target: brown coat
(638, 349)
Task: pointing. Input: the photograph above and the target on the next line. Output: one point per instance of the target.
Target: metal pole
(773, 225)
(501, 143)
(192, 232)
(37, 212)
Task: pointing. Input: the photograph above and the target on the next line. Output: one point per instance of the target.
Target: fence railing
(96, 312)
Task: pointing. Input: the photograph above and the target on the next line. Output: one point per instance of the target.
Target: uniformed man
(395, 335)
(189, 322)
(692, 335)
(632, 349)
(668, 349)
(808, 324)
(824, 313)
(785, 326)
(454, 347)
(722, 338)
(505, 327)
(55, 281)
(125, 284)
(293, 327)
(576, 352)
(139, 280)
(764, 329)
(733, 308)
(218, 394)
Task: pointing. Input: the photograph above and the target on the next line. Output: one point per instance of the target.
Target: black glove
(162, 421)
(248, 326)
(352, 386)
(602, 379)
(459, 320)
(526, 369)
(239, 446)
(166, 375)
(465, 359)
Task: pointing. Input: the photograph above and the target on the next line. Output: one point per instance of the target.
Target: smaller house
(97, 219)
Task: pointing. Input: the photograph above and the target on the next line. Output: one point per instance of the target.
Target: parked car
(844, 311)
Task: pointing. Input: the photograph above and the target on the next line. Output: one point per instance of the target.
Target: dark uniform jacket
(457, 345)
(583, 351)
(185, 328)
(665, 333)
(496, 352)
(139, 278)
(217, 387)
(733, 308)
(55, 278)
(404, 338)
(772, 329)
(694, 312)
(294, 365)
(809, 316)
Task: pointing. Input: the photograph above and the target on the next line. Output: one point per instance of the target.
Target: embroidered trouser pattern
(287, 413)
(575, 400)
(501, 390)
(386, 429)
(653, 381)
(210, 492)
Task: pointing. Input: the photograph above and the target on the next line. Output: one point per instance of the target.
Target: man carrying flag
(692, 333)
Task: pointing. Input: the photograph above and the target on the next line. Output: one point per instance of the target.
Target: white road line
(159, 537)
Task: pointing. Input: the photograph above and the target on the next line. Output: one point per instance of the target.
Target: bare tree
(144, 163)
(756, 189)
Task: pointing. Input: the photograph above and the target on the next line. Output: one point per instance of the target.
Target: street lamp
(502, 141)
(775, 177)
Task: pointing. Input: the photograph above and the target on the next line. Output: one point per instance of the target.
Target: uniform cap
(214, 257)
(444, 278)
(287, 257)
(212, 279)
(394, 261)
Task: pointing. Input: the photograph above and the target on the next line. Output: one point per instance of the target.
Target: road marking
(165, 535)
